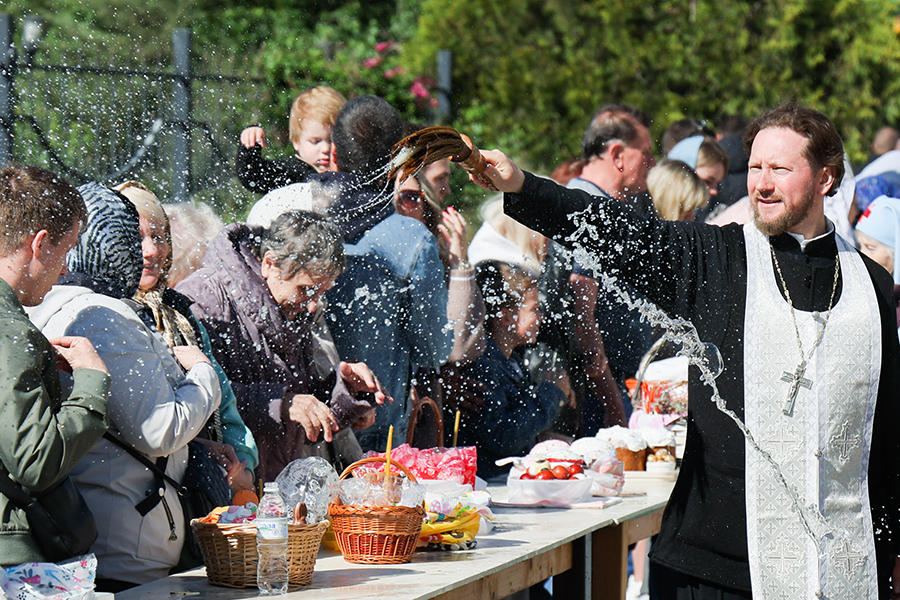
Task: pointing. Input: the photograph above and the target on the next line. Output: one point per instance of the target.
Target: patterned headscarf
(109, 247)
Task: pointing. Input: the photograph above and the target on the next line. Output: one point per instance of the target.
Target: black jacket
(262, 175)
(699, 272)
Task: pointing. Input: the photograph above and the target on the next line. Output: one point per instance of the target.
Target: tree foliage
(528, 74)
(341, 50)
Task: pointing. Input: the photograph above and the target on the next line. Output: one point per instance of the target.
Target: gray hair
(304, 241)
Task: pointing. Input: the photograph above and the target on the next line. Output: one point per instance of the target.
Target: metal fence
(175, 131)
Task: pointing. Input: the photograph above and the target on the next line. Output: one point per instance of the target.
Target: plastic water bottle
(271, 543)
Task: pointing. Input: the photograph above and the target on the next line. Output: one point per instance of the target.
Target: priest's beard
(790, 218)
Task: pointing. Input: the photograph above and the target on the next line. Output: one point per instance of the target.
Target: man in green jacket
(43, 433)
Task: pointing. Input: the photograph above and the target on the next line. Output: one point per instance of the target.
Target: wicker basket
(376, 534)
(229, 552)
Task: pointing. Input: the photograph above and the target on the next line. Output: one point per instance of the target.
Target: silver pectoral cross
(796, 380)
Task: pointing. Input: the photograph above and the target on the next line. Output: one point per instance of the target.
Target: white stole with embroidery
(823, 446)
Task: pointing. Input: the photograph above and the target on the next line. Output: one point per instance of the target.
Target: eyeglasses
(410, 197)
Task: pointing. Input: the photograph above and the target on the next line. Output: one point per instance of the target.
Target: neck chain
(796, 379)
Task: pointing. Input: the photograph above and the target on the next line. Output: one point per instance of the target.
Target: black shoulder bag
(60, 521)
(204, 488)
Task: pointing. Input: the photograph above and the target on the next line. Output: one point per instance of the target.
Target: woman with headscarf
(169, 313)
(878, 233)
(157, 404)
(257, 295)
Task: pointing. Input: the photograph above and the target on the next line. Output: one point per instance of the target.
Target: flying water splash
(703, 355)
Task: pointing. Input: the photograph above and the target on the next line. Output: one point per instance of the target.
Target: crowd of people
(132, 327)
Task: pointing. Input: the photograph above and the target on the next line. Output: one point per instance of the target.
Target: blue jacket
(388, 309)
(515, 410)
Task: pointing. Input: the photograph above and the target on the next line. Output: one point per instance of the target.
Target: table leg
(610, 554)
(610, 563)
(575, 584)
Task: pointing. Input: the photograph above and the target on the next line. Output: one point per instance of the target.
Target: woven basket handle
(380, 459)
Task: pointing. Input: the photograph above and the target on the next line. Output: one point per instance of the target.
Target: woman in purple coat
(257, 294)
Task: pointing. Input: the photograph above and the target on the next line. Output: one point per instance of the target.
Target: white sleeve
(154, 406)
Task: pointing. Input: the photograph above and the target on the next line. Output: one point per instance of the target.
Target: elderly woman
(878, 233)
(257, 295)
(169, 313)
(156, 405)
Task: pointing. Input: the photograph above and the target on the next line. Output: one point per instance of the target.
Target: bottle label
(272, 529)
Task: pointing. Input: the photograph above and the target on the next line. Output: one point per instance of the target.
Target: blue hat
(687, 150)
(869, 188)
(881, 222)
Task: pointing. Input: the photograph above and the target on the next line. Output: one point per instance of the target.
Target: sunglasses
(410, 197)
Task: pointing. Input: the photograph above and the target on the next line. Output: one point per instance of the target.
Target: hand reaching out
(560, 378)
(365, 421)
(251, 136)
(188, 356)
(237, 474)
(360, 379)
(453, 230)
(462, 393)
(314, 416)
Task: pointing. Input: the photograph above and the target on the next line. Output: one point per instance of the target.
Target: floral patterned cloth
(48, 581)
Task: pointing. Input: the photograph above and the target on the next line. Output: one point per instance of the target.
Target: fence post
(444, 83)
(7, 71)
(181, 114)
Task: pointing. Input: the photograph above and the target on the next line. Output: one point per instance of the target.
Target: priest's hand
(502, 171)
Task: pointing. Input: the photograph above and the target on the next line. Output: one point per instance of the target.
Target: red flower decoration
(419, 90)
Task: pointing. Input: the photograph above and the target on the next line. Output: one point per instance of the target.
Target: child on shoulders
(312, 116)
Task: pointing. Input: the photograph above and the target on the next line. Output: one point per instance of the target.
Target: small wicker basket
(229, 552)
(376, 534)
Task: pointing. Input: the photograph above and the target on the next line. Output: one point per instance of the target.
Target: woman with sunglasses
(414, 198)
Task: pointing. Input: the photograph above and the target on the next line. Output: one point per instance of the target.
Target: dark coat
(262, 175)
(515, 410)
(266, 356)
(699, 272)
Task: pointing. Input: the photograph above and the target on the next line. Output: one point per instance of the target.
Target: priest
(807, 332)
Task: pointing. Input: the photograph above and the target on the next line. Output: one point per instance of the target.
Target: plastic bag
(71, 580)
(452, 464)
(608, 477)
(553, 491)
(455, 520)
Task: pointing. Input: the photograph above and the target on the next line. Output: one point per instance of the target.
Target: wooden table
(585, 549)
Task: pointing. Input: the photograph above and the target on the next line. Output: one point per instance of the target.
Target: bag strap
(159, 471)
(13, 491)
